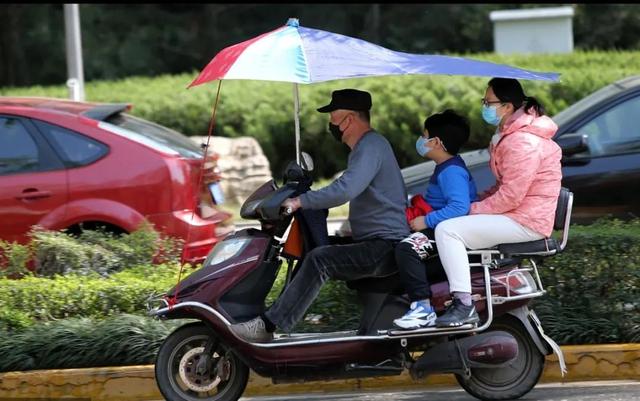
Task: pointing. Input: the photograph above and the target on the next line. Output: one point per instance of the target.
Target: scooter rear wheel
(176, 370)
(513, 380)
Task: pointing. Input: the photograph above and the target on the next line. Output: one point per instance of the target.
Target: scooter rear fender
(522, 313)
(543, 342)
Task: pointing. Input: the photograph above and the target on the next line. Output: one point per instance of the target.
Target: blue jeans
(371, 258)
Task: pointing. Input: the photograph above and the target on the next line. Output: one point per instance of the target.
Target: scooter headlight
(225, 250)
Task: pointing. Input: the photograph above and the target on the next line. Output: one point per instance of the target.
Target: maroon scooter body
(500, 358)
(208, 286)
(206, 294)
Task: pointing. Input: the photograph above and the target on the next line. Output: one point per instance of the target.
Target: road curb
(133, 383)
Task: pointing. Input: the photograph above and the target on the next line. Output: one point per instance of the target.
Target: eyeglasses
(487, 102)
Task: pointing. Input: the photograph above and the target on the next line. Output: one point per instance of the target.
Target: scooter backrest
(563, 214)
(561, 208)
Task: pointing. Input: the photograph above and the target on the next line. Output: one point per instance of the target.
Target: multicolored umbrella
(300, 55)
(296, 54)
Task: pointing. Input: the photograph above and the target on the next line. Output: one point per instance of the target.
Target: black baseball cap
(348, 99)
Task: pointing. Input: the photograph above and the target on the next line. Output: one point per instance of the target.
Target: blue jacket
(450, 191)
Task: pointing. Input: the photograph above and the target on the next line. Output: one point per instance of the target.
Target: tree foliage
(264, 110)
(121, 40)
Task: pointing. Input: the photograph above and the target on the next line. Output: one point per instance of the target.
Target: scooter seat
(388, 285)
(547, 246)
(543, 247)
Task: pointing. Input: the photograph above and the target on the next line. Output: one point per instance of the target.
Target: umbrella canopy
(296, 54)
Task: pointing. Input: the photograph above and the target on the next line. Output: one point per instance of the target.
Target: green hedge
(83, 275)
(31, 300)
(264, 109)
(83, 342)
(53, 253)
(102, 252)
(593, 289)
(594, 286)
(593, 298)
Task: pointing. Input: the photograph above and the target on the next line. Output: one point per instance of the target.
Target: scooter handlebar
(288, 211)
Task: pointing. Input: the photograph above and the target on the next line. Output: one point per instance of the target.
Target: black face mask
(336, 131)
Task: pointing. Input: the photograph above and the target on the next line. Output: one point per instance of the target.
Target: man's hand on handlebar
(291, 205)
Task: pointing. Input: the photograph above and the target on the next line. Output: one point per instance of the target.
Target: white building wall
(533, 31)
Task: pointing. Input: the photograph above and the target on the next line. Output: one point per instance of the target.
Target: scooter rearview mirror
(307, 161)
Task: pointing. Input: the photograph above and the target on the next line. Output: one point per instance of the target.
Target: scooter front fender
(202, 312)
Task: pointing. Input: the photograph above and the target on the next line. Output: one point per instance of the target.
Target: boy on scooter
(449, 194)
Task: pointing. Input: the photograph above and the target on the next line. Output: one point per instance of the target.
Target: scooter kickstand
(465, 368)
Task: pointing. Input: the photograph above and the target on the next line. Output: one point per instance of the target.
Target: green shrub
(59, 253)
(593, 292)
(139, 247)
(593, 289)
(14, 258)
(13, 320)
(84, 342)
(594, 286)
(336, 307)
(98, 251)
(264, 110)
(592, 296)
(32, 300)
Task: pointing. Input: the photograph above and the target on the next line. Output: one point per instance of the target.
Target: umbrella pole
(174, 299)
(296, 119)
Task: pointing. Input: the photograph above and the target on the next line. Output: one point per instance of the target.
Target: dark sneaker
(253, 331)
(458, 314)
(417, 317)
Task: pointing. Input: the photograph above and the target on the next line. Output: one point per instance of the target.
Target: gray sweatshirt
(373, 183)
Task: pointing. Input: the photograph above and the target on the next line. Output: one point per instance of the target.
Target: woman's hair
(509, 90)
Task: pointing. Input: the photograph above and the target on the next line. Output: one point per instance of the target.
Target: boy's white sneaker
(418, 316)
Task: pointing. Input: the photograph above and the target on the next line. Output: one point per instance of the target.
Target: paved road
(578, 391)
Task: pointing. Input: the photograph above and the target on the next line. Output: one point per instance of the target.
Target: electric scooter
(499, 358)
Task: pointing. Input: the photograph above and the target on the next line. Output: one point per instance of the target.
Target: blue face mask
(490, 114)
(421, 146)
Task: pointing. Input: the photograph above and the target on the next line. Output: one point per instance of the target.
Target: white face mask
(422, 146)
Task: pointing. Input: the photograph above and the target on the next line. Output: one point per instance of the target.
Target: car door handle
(33, 193)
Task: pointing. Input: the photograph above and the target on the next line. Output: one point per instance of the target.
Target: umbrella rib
(305, 59)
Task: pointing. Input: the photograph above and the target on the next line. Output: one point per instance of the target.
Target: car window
(615, 131)
(18, 150)
(73, 148)
(153, 135)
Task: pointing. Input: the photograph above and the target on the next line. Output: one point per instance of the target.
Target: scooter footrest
(385, 368)
(426, 330)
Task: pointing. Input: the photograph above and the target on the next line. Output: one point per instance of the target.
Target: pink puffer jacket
(526, 164)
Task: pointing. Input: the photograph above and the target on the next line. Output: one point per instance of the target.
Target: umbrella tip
(293, 22)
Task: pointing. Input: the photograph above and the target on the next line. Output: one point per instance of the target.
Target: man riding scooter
(374, 187)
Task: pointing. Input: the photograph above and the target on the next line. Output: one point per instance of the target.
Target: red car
(75, 165)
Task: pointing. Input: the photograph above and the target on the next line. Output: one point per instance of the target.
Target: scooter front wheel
(511, 381)
(183, 375)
